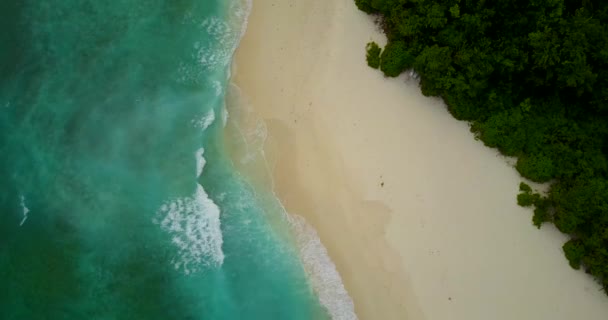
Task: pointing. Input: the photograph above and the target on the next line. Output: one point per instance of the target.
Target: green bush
(524, 187)
(574, 252)
(373, 55)
(395, 59)
(526, 199)
(541, 215)
(365, 6)
(538, 167)
(505, 131)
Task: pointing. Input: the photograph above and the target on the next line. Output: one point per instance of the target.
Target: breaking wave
(324, 277)
(321, 271)
(194, 226)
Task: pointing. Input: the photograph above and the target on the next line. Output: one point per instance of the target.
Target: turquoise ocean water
(117, 200)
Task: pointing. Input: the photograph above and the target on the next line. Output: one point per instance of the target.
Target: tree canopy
(532, 79)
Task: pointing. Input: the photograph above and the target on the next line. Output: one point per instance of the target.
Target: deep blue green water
(117, 200)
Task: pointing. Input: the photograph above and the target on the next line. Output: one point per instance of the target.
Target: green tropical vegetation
(532, 79)
(373, 55)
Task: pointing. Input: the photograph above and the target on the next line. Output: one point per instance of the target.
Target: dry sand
(419, 218)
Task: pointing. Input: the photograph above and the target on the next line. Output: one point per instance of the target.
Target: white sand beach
(420, 219)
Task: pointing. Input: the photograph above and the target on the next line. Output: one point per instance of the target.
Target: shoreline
(420, 219)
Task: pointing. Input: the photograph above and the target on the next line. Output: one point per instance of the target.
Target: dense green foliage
(532, 78)
(373, 55)
(395, 58)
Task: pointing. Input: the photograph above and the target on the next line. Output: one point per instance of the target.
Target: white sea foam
(223, 34)
(220, 52)
(205, 121)
(239, 19)
(24, 209)
(324, 277)
(225, 116)
(240, 14)
(200, 161)
(226, 34)
(194, 225)
(217, 86)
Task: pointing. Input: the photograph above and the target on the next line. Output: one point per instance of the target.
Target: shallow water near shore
(117, 198)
